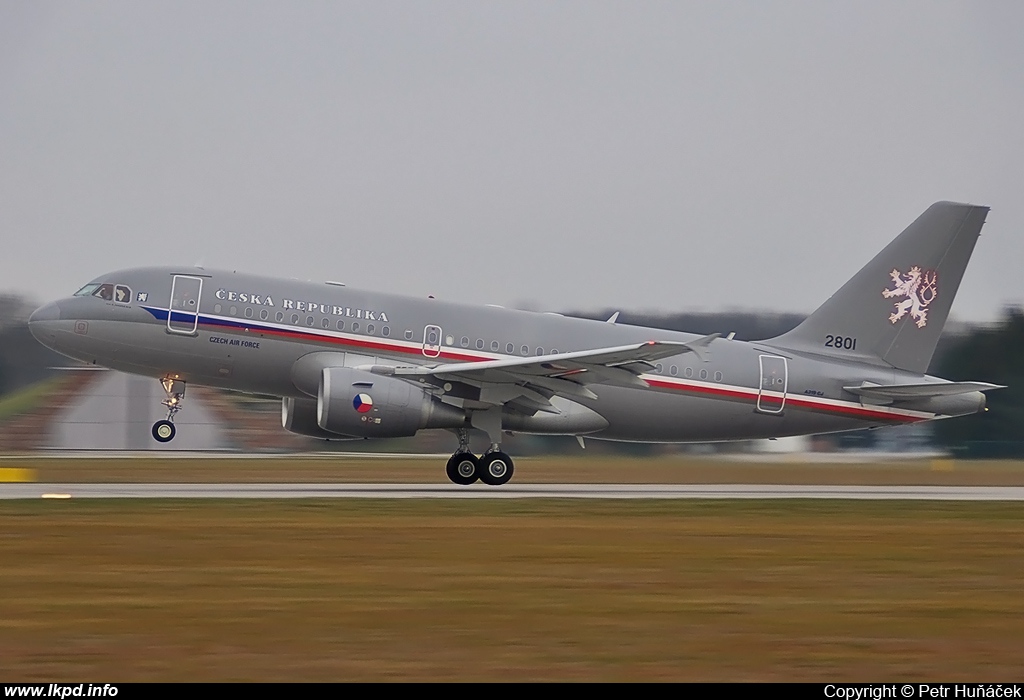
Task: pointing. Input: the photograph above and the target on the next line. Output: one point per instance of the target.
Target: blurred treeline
(991, 354)
(23, 361)
(987, 355)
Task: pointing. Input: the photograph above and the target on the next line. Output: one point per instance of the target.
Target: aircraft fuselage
(249, 333)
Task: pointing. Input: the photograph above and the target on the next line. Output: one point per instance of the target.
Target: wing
(532, 381)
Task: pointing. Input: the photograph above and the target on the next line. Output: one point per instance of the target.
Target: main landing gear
(494, 467)
(163, 430)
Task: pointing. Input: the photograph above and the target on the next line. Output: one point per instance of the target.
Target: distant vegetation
(23, 361)
(988, 355)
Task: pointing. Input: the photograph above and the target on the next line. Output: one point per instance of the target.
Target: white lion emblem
(919, 287)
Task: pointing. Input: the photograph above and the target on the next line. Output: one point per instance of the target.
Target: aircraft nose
(39, 323)
(50, 312)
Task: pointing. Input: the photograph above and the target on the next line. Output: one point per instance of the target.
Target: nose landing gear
(164, 430)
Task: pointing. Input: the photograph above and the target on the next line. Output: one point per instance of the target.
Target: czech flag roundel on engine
(362, 403)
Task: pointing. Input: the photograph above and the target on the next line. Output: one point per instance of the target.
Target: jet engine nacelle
(299, 416)
(357, 403)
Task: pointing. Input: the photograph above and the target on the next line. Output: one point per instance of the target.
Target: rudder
(895, 307)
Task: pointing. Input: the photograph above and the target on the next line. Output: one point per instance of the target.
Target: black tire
(163, 431)
(495, 469)
(458, 468)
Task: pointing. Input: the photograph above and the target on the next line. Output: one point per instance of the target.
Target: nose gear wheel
(164, 430)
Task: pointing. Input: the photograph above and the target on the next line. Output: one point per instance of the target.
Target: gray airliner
(352, 364)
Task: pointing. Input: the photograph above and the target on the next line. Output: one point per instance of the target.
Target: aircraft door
(432, 341)
(771, 397)
(183, 312)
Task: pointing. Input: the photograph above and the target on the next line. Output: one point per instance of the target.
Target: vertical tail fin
(895, 307)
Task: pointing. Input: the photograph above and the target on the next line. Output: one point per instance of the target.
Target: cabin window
(464, 342)
(385, 331)
(479, 343)
(554, 352)
(510, 348)
(658, 368)
(525, 350)
(718, 376)
(408, 334)
(248, 312)
(369, 328)
(279, 316)
(540, 351)
(688, 371)
(233, 311)
(355, 326)
(672, 370)
(449, 340)
(703, 374)
(325, 323)
(309, 320)
(217, 308)
(494, 346)
(264, 314)
(295, 319)
(340, 325)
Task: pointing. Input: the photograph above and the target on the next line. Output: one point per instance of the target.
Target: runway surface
(619, 491)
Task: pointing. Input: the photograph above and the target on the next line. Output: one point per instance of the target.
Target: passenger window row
(464, 341)
(687, 372)
(510, 348)
(310, 321)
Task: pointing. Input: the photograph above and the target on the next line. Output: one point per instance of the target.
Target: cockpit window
(105, 292)
(122, 294)
(87, 290)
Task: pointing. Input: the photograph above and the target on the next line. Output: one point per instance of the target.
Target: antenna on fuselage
(199, 263)
(613, 318)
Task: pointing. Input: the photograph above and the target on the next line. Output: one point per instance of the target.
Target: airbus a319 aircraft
(352, 364)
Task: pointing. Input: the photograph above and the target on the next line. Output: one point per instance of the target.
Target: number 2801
(841, 341)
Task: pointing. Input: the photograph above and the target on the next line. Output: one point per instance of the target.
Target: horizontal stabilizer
(907, 392)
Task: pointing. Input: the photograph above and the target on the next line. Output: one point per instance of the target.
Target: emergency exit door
(771, 397)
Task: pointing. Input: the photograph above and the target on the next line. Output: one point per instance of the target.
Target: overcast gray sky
(573, 155)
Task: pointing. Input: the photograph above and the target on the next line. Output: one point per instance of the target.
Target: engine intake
(357, 403)
(299, 416)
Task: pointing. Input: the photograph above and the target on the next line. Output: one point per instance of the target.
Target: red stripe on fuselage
(722, 392)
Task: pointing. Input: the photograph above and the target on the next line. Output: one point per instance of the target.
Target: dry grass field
(617, 470)
(510, 590)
